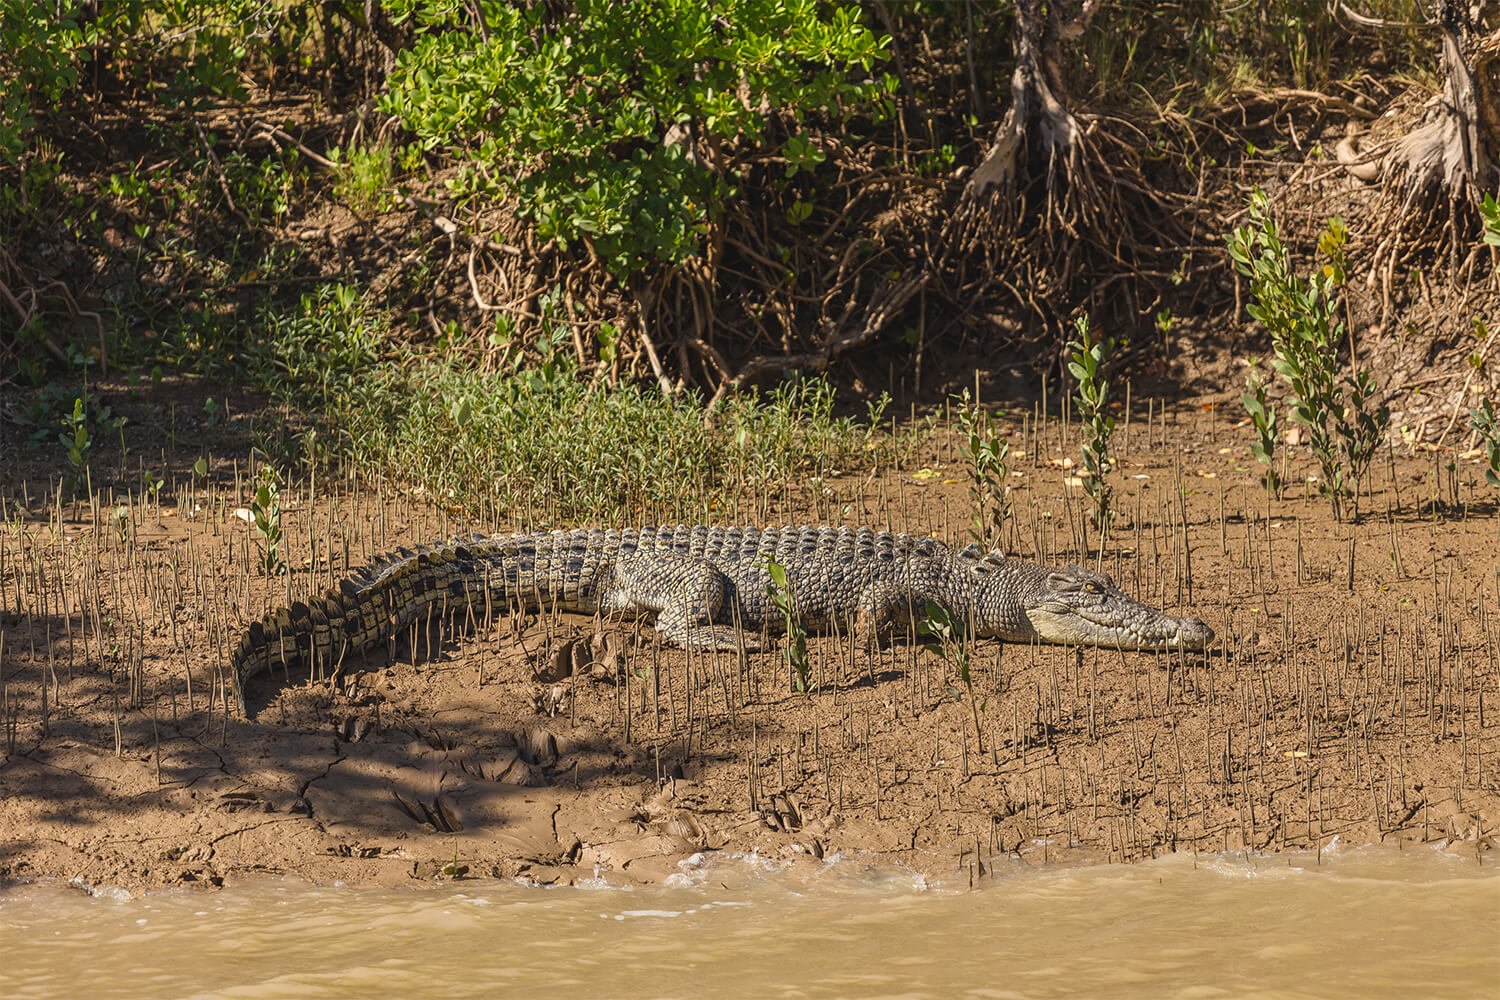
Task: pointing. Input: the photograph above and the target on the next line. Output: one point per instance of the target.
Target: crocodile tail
(371, 606)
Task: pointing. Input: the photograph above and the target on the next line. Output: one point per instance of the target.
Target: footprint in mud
(524, 764)
(438, 812)
(783, 814)
(599, 657)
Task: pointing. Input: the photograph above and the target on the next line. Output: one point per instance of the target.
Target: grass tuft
(544, 445)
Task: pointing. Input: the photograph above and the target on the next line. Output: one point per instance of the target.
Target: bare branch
(1364, 20)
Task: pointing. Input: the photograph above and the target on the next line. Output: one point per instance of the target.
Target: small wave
(110, 892)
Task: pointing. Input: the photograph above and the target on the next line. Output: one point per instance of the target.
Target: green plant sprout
(77, 441)
(1263, 418)
(948, 635)
(795, 652)
(989, 468)
(1483, 420)
(265, 510)
(1088, 360)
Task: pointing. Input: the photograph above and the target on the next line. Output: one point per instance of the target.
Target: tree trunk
(1058, 215)
(1038, 119)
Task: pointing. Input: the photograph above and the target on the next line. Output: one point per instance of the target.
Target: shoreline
(855, 870)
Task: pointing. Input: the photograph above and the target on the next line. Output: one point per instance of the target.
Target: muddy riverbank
(1353, 695)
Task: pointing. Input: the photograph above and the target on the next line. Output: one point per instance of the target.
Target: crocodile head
(1076, 606)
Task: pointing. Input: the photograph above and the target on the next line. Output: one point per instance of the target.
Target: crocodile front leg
(687, 595)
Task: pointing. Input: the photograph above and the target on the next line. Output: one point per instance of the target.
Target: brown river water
(1353, 923)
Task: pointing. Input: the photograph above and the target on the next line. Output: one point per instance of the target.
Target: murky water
(1364, 923)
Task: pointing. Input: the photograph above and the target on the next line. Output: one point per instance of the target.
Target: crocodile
(708, 588)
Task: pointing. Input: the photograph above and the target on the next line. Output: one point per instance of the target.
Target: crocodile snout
(1193, 633)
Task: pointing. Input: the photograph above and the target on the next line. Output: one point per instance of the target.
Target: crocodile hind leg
(885, 613)
(687, 595)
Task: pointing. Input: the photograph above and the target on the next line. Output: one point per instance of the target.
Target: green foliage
(949, 644)
(121, 519)
(779, 590)
(1482, 419)
(77, 443)
(177, 51)
(1192, 53)
(1088, 360)
(989, 470)
(82, 420)
(538, 438)
(151, 485)
(39, 42)
(1344, 423)
(261, 187)
(1263, 419)
(1489, 211)
(365, 184)
(265, 512)
(322, 347)
(618, 130)
(765, 438)
(947, 638)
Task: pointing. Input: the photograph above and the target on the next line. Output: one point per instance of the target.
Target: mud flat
(1353, 696)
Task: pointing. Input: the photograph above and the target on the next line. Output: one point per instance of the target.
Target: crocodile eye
(1093, 588)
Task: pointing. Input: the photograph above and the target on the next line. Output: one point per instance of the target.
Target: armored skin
(707, 588)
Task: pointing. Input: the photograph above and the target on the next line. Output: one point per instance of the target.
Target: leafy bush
(365, 185)
(172, 50)
(1302, 315)
(622, 130)
(39, 42)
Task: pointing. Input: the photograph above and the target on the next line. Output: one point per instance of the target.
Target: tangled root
(29, 300)
(1059, 210)
(1434, 175)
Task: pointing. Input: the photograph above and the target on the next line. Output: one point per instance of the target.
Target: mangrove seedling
(779, 590)
(1338, 409)
(265, 511)
(76, 439)
(1483, 420)
(989, 469)
(1263, 418)
(948, 643)
(1088, 360)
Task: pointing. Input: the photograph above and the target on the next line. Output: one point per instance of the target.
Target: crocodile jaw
(1138, 627)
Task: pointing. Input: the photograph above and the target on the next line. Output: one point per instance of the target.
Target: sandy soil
(1360, 704)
